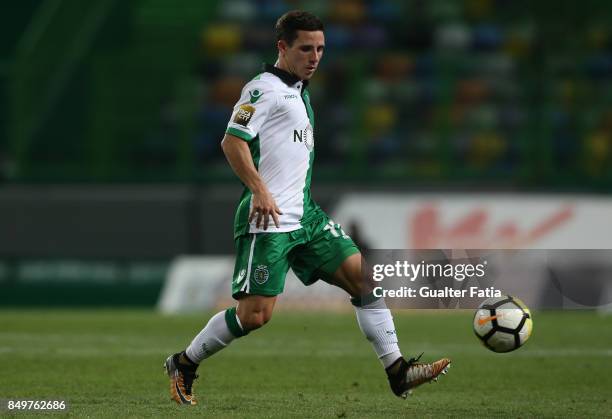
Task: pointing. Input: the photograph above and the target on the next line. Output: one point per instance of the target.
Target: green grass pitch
(109, 364)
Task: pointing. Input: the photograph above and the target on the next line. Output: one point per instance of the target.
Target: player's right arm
(257, 103)
(239, 157)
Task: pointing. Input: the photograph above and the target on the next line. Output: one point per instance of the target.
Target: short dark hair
(296, 20)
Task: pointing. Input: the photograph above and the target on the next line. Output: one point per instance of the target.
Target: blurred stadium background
(111, 114)
(440, 124)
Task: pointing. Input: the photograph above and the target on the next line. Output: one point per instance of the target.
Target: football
(503, 324)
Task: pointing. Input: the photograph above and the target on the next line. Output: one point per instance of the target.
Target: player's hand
(264, 206)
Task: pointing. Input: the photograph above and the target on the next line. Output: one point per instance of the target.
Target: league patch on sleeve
(244, 114)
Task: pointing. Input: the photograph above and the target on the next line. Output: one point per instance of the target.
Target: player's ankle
(396, 367)
(184, 360)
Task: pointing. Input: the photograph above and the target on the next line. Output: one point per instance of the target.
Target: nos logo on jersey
(305, 136)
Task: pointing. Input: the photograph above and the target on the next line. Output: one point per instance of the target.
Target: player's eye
(305, 48)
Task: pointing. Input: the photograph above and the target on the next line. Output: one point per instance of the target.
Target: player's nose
(314, 57)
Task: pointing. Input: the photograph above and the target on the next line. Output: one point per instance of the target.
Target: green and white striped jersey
(274, 117)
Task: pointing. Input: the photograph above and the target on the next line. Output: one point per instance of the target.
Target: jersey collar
(285, 76)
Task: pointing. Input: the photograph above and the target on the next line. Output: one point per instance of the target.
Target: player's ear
(282, 46)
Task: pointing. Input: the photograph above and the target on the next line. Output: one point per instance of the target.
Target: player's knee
(267, 315)
(255, 320)
(355, 286)
(357, 291)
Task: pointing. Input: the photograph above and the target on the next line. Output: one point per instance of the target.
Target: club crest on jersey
(305, 136)
(261, 274)
(244, 114)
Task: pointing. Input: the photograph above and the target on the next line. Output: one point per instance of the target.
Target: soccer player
(269, 143)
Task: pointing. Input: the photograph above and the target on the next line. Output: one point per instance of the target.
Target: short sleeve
(257, 102)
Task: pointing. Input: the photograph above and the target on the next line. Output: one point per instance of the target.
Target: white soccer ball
(503, 324)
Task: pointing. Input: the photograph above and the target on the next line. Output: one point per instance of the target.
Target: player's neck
(283, 66)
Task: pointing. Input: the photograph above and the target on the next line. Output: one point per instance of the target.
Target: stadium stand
(486, 93)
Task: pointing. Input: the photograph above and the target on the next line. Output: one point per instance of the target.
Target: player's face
(303, 56)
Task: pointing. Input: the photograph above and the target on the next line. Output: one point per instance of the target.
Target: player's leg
(252, 312)
(331, 255)
(259, 276)
(374, 318)
(376, 323)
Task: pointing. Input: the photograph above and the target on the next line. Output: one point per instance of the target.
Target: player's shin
(376, 323)
(219, 332)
